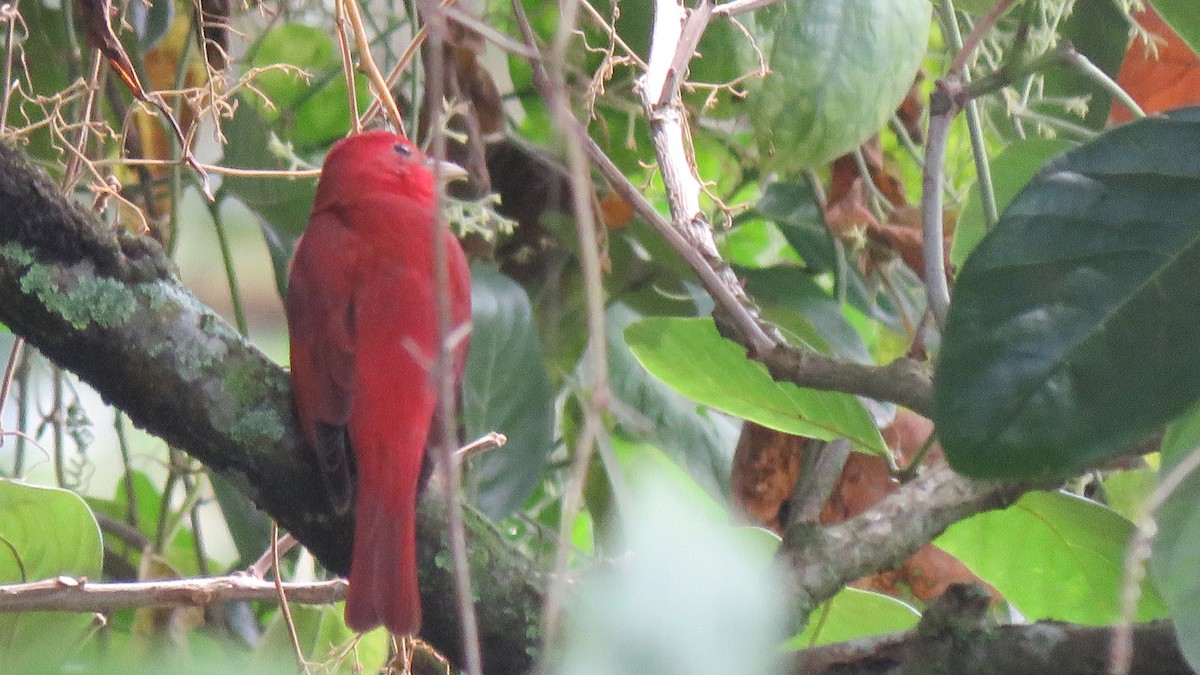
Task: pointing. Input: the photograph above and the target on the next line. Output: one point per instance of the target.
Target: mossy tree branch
(105, 305)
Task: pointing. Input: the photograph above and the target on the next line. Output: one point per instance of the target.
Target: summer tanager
(362, 314)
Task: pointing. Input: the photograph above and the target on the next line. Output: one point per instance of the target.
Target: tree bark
(1043, 647)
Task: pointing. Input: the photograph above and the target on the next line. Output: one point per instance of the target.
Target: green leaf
(44, 532)
(755, 243)
(181, 551)
(853, 614)
(647, 469)
(282, 205)
(692, 357)
(321, 632)
(1073, 326)
(1177, 546)
(838, 70)
(793, 301)
(688, 583)
(698, 439)
(46, 28)
(314, 112)
(1052, 555)
(794, 208)
(249, 527)
(1126, 491)
(1182, 17)
(1011, 170)
(505, 389)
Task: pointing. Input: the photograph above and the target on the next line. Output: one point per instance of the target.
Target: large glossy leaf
(698, 439)
(1011, 171)
(44, 532)
(692, 357)
(1177, 546)
(1073, 327)
(1053, 556)
(506, 389)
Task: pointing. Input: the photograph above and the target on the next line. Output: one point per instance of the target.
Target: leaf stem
(983, 170)
(235, 294)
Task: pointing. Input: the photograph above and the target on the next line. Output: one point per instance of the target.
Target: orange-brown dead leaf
(766, 465)
(476, 85)
(865, 481)
(903, 235)
(1171, 80)
(615, 212)
(848, 213)
(912, 109)
(846, 182)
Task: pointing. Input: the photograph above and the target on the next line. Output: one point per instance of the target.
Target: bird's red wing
(320, 309)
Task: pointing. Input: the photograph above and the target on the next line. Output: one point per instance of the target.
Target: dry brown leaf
(766, 465)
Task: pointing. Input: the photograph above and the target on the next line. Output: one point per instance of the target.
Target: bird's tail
(383, 570)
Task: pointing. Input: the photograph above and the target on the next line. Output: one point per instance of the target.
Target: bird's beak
(447, 171)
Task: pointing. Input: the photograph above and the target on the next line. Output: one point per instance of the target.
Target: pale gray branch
(67, 594)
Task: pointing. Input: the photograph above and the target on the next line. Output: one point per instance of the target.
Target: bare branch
(66, 594)
(819, 561)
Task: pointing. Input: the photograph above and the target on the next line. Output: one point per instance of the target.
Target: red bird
(362, 314)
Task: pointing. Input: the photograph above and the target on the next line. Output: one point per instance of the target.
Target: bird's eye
(403, 149)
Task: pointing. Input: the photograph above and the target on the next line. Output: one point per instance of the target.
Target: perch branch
(67, 594)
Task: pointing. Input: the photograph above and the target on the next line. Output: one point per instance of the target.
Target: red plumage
(362, 315)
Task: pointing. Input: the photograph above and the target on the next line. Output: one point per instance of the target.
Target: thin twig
(550, 81)
(983, 170)
(406, 58)
(283, 600)
(943, 107)
(735, 7)
(488, 441)
(366, 62)
(10, 369)
(231, 278)
(266, 561)
(339, 26)
(291, 174)
(10, 14)
(967, 47)
(1133, 571)
(450, 469)
(74, 164)
(1095, 74)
